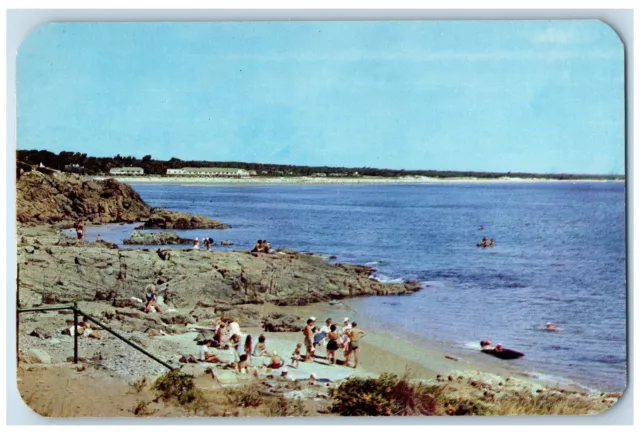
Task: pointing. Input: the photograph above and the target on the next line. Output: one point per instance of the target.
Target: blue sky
(534, 96)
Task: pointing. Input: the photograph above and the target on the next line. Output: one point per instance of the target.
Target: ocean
(559, 257)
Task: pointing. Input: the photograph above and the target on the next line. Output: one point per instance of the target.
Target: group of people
(207, 243)
(261, 246)
(244, 353)
(227, 336)
(346, 339)
(487, 243)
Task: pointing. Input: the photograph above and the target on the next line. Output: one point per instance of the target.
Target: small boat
(505, 353)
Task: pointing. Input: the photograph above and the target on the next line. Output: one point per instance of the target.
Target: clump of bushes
(178, 387)
(388, 395)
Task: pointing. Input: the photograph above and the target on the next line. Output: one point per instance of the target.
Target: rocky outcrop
(226, 280)
(279, 322)
(165, 219)
(155, 238)
(48, 196)
(64, 198)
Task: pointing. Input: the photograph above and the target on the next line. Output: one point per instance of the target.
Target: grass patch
(390, 395)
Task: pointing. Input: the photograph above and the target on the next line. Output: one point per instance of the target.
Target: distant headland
(148, 169)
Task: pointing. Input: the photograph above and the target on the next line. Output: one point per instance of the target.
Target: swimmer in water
(551, 327)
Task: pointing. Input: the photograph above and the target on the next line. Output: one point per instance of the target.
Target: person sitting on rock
(165, 255)
(196, 243)
(266, 247)
(257, 247)
(152, 300)
(205, 242)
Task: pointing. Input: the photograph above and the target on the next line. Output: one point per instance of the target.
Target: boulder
(155, 238)
(165, 219)
(278, 322)
(39, 332)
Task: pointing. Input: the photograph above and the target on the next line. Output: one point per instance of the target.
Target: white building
(224, 172)
(130, 171)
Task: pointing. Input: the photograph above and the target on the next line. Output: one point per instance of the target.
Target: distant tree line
(81, 163)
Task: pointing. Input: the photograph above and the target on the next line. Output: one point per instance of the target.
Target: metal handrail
(77, 311)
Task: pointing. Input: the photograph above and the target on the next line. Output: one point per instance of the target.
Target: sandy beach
(304, 180)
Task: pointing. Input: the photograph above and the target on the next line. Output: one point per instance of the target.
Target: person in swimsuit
(332, 345)
(80, 229)
(248, 345)
(152, 300)
(257, 247)
(243, 365)
(296, 356)
(308, 340)
(355, 334)
(276, 361)
(261, 348)
(551, 327)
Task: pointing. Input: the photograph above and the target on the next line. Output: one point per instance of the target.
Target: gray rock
(155, 238)
(36, 355)
(29, 249)
(40, 333)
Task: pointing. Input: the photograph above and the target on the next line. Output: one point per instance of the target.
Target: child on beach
(248, 345)
(296, 356)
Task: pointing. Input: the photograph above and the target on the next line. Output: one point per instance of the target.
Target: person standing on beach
(308, 340)
(355, 334)
(344, 336)
(80, 229)
(332, 346)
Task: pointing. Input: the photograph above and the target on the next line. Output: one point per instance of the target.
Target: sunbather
(205, 356)
(276, 361)
(261, 348)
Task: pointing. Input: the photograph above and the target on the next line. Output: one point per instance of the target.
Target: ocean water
(559, 257)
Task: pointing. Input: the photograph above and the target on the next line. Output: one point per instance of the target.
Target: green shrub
(179, 387)
(387, 395)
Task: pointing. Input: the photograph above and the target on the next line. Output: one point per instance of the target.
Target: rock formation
(165, 219)
(48, 196)
(155, 238)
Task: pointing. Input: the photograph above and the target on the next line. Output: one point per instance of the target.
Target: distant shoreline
(307, 180)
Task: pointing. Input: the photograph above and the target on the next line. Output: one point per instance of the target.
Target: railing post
(75, 332)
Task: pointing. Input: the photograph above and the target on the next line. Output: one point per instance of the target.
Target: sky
(518, 96)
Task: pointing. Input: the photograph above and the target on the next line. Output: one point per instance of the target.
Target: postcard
(303, 219)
